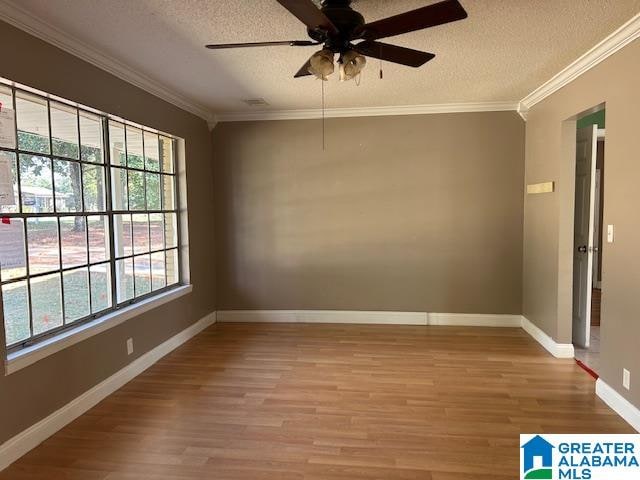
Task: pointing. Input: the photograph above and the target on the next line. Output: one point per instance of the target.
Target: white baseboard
(322, 316)
(558, 350)
(475, 320)
(368, 317)
(619, 404)
(28, 439)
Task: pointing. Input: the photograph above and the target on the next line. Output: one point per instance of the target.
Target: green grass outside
(47, 304)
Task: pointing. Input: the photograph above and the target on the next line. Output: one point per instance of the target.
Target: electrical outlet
(610, 233)
(129, 346)
(626, 378)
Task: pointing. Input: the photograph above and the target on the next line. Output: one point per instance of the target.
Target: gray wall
(32, 393)
(406, 213)
(548, 234)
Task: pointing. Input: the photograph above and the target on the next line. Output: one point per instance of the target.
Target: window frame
(126, 306)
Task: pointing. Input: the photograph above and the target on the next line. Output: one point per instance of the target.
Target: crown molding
(368, 111)
(624, 35)
(24, 20)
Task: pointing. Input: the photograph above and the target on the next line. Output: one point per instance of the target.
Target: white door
(596, 229)
(586, 149)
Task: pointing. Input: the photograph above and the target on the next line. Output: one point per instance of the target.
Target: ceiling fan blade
(291, 43)
(425, 17)
(393, 53)
(304, 71)
(309, 14)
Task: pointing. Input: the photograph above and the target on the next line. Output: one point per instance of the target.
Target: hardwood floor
(334, 402)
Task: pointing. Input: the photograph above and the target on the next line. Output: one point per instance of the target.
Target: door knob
(582, 249)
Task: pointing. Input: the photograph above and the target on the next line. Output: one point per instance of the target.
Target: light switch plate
(626, 378)
(610, 233)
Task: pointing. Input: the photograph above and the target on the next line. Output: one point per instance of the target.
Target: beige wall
(548, 233)
(32, 393)
(406, 213)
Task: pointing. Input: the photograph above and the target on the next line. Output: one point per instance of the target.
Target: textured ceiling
(503, 51)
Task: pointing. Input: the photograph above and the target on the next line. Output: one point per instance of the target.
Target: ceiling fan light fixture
(351, 65)
(321, 64)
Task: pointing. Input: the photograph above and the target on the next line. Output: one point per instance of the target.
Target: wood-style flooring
(328, 402)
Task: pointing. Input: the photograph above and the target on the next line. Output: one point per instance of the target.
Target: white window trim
(30, 355)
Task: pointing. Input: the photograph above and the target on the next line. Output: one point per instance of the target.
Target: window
(89, 215)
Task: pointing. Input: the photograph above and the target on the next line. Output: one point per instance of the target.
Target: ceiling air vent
(256, 102)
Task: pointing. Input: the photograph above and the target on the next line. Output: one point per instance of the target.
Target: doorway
(588, 239)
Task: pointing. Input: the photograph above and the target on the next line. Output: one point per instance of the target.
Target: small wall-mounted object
(546, 187)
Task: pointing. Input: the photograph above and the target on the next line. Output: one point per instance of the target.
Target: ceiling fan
(336, 26)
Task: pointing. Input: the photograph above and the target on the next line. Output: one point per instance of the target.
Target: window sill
(30, 355)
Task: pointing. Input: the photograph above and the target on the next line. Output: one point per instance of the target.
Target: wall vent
(256, 102)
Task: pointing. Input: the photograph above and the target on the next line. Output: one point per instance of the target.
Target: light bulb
(352, 63)
(321, 64)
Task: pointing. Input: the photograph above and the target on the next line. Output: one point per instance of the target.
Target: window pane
(140, 233)
(122, 226)
(116, 143)
(135, 155)
(64, 130)
(166, 154)
(15, 302)
(9, 200)
(153, 191)
(98, 238)
(65, 173)
(100, 287)
(151, 154)
(91, 138)
(93, 187)
(73, 237)
(170, 230)
(168, 193)
(119, 196)
(142, 265)
(68, 186)
(42, 238)
(156, 231)
(124, 280)
(36, 184)
(172, 267)
(76, 294)
(136, 190)
(13, 259)
(6, 98)
(158, 279)
(46, 301)
(33, 123)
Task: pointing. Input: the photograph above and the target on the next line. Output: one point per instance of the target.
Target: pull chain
(323, 134)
